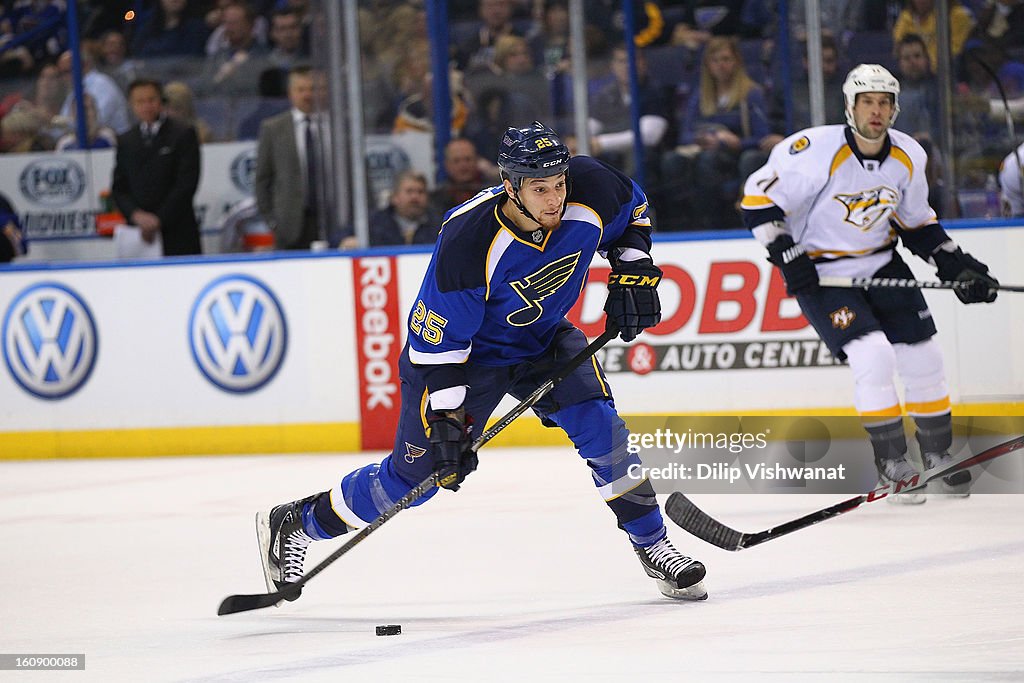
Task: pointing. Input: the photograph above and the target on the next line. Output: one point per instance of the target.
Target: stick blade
(683, 512)
(244, 603)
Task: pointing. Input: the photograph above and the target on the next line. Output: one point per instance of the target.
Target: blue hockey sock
(646, 530)
(319, 521)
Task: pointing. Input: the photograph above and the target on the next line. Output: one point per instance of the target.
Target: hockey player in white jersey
(1011, 183)
(833, 201)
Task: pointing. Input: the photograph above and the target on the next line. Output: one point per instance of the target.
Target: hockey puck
(389, 630)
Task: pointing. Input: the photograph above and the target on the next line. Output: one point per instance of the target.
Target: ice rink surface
(521, 576)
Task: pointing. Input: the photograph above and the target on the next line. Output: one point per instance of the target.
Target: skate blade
(263, 541)
(695, 592)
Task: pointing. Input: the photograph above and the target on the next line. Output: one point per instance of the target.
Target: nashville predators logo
(842, 318)
(864, 209)
(412, 452)
(799, 145)
(538, 286)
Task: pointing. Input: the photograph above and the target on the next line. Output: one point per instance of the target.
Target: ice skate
(893, 470)
(678, 576)
(283, 544)
(956, 485)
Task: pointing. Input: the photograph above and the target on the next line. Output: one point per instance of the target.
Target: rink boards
(298, 353)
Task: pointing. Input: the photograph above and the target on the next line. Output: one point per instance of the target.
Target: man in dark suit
(157, 172)
(287, 166)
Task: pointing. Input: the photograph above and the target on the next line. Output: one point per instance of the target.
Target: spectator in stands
(180, 104)
(14, 61)
(704, 19)
(513, 71)
(487, 124)
(287, 166)
(415, 111)
(799, 96)
(549, 41)
(408, 219)
(379, 97)
(611, 123)
(22, 130)
(114, 60)
(12, 243)
(157, 172)
(840, 18)
(41, 25)
(50, 92)
(919, 90)
(169, 30)
(919, 17)
(725, 119)
(477, 53)
(234, 69)
(96, 136)
(982, 138)
(286, 38)
(111, 106)
(464, 176)
(218, 41)
(1002, 21)
(273, 90)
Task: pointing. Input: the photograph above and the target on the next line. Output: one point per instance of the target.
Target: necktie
(310, 167)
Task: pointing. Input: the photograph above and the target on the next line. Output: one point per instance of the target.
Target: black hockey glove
(633, 304)
(960, 266)
(450, 433)
(797, 268)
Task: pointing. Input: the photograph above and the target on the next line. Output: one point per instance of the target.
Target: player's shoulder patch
(800, 144)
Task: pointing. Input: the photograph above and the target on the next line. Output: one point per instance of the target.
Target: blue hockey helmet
(535, 151)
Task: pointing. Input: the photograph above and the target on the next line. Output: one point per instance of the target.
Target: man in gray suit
(286, 167)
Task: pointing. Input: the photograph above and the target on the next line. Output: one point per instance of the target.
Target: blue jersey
(495, 295)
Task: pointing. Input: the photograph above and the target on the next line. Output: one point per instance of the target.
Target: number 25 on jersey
(429, 326)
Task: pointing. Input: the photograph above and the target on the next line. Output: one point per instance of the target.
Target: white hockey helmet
(870, 78)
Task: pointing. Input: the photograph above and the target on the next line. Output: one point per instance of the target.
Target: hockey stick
(899, 283)
(243, 603)
(683, 512)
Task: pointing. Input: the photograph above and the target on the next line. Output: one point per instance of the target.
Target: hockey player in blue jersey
(489, 319)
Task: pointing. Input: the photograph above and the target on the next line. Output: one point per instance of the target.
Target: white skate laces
(665, 556)
(293, 558)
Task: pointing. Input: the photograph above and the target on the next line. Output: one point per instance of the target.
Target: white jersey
(839, 205)
(1010, 183)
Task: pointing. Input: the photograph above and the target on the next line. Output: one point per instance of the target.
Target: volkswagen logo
(50, 341)
(238, 333)
(55, 181)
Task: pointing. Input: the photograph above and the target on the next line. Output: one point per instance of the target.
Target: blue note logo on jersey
(412, 452)
(538, 286)
(50, 341)
(238, 333)
(864, 209)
